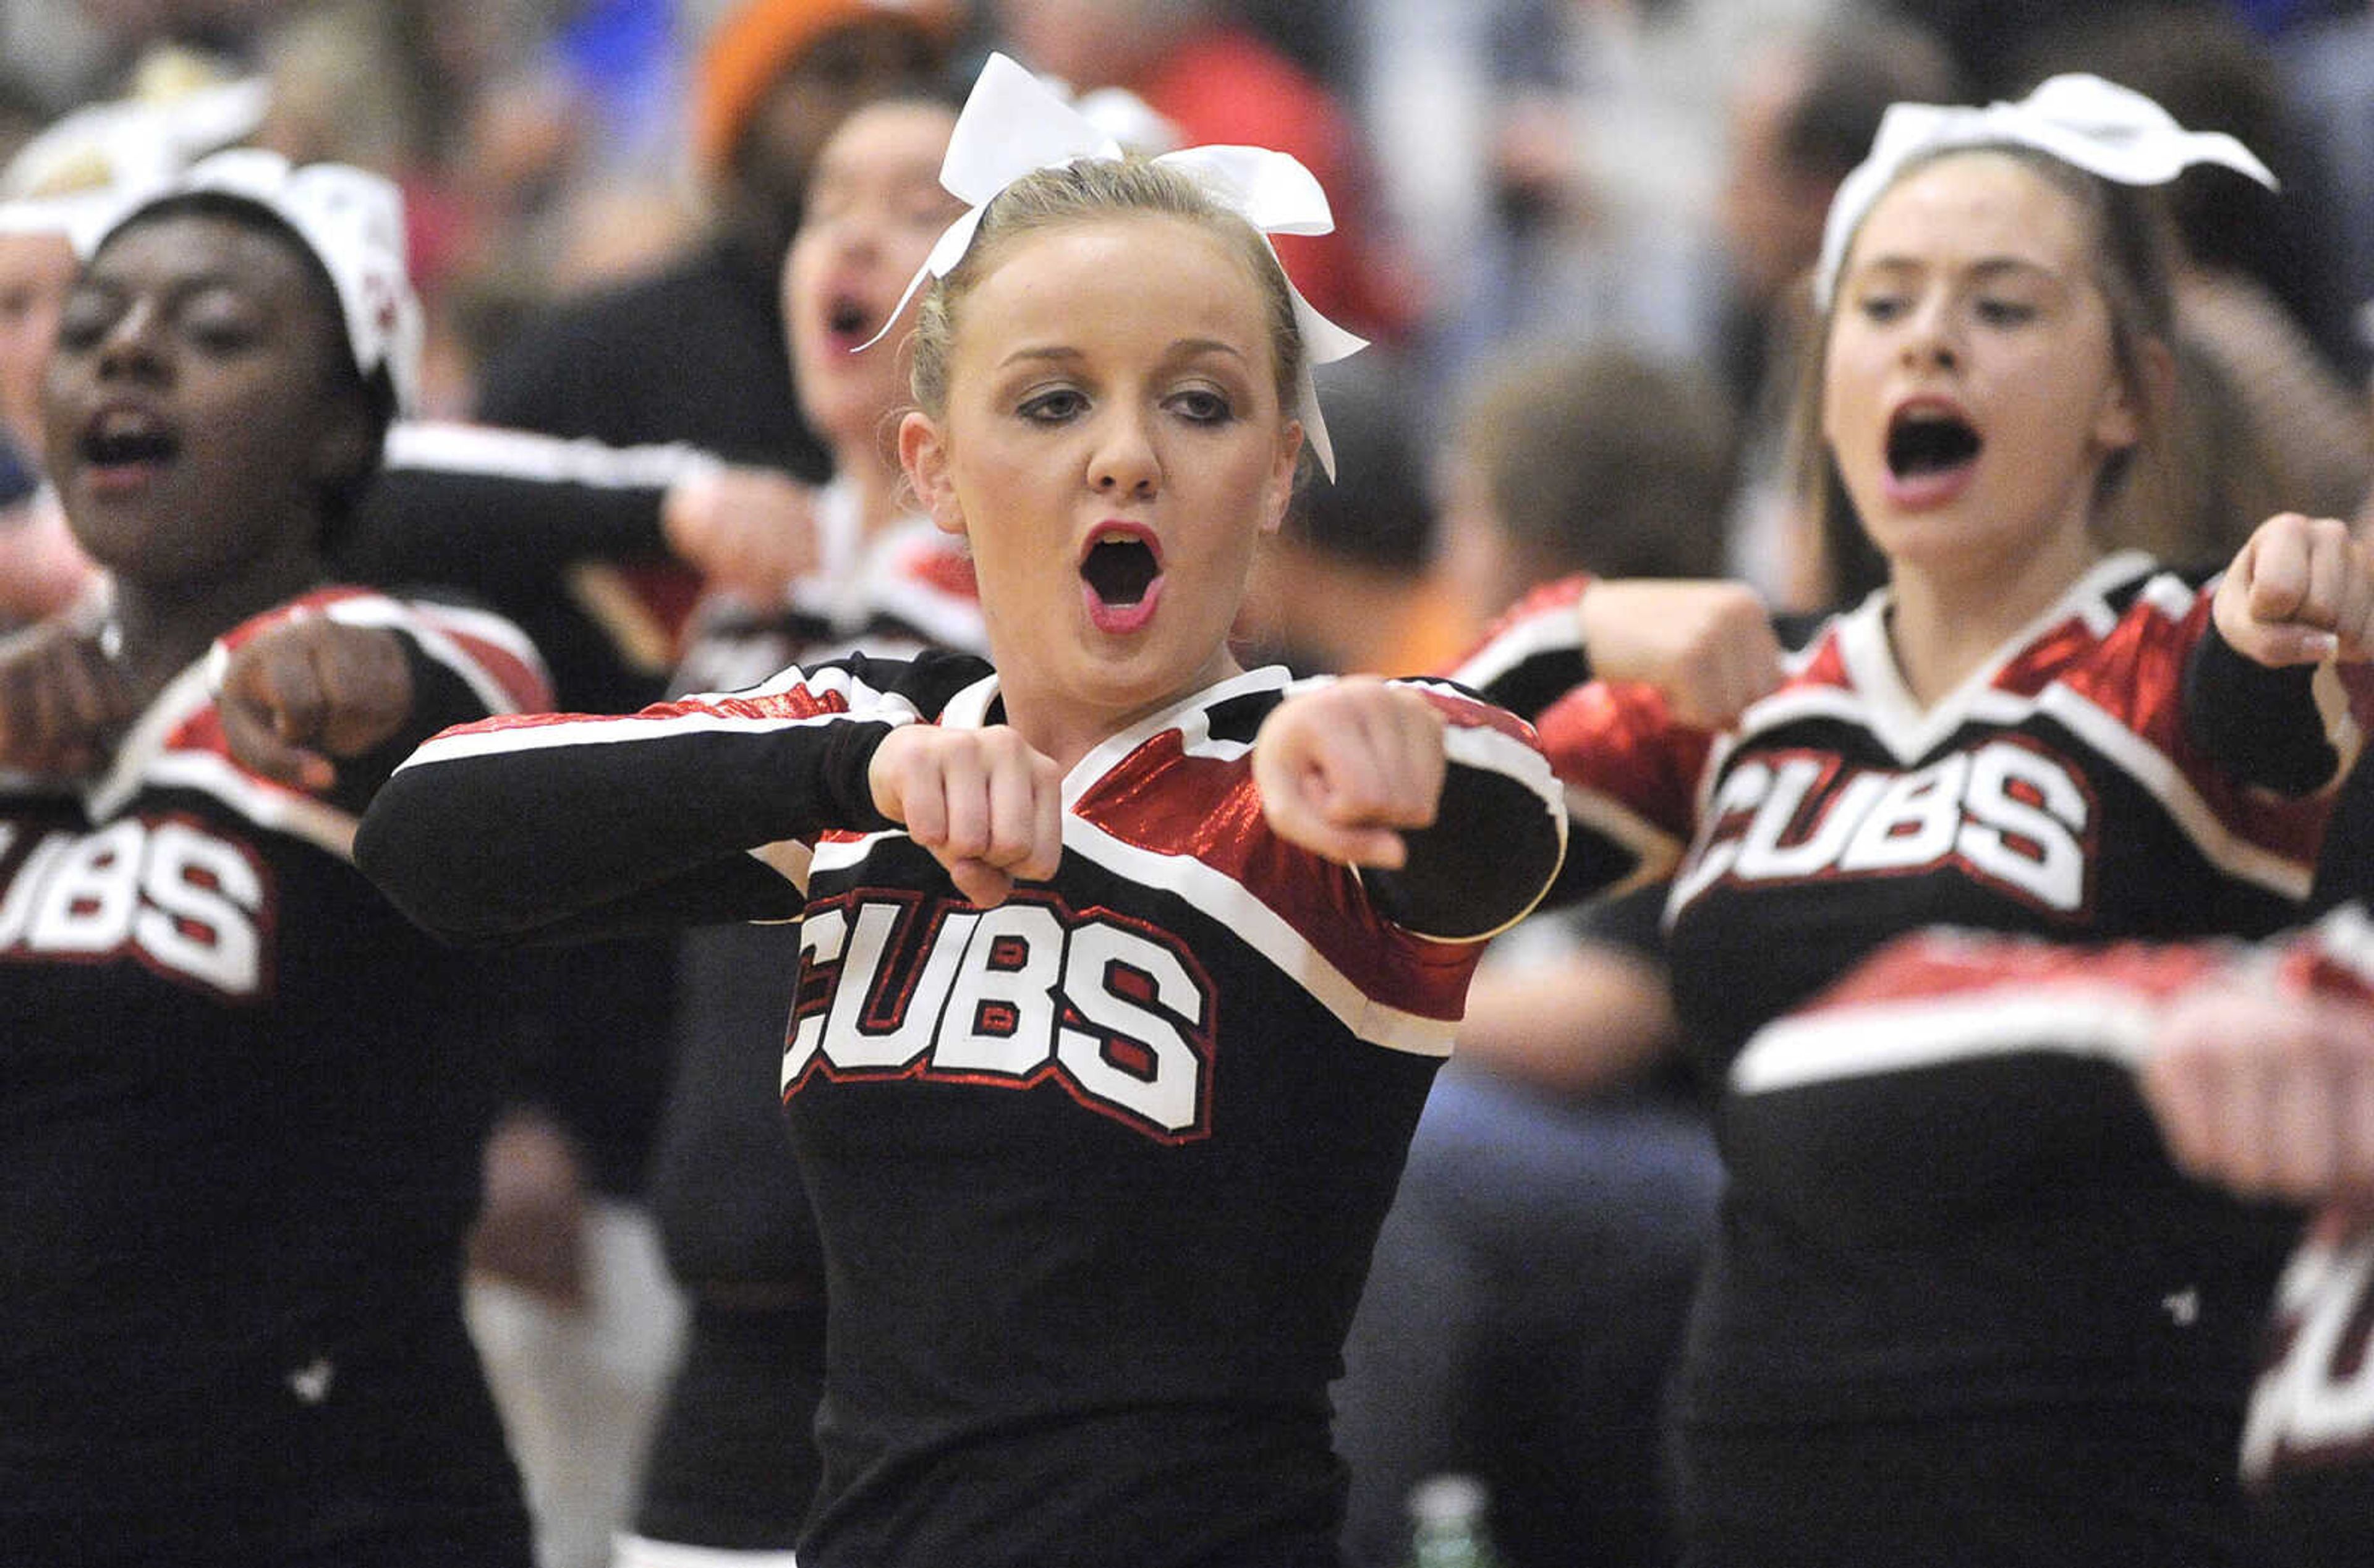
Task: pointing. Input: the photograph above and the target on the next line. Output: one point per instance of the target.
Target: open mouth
(848, 319)
(1119, 569)
(1922, 442)
(1121, 574)
(120, 439)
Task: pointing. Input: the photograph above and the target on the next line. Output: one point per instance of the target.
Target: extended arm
(576, 825)
(487, 509)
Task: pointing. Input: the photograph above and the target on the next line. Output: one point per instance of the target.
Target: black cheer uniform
(1959, 1303)
(1097, 1171)
(240, 1106)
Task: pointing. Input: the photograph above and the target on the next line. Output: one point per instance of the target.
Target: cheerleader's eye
(1053, 406)
(1204, 405)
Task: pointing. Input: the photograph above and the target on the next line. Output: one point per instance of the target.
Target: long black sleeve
(584, 826)
(2260, 725)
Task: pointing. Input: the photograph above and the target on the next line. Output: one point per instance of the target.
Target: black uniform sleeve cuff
(2260, 725)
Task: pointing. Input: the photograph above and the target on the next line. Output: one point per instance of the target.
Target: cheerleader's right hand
(1708, 645)
(62, 701)
(986, 804)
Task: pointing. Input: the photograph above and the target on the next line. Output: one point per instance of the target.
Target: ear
(1277, 493)
(2125, 416)
(924, 453)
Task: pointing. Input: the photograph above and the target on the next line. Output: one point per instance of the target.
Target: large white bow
(1013, 124)
(2095, 125)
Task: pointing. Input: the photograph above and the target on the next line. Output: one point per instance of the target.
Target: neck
(1065, 727)
(1947, 623)
(165, 628)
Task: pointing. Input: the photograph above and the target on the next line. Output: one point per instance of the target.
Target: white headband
(353, 222)
(2105, 130)
(1014, 124)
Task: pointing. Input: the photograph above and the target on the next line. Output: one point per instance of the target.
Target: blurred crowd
(1578, 233)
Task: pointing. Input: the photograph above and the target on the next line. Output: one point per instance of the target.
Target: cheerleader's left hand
(1345, 767)
(2299, 592)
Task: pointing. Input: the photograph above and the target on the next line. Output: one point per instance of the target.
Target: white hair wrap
(1014, 124)
(2113, 131)
(353, 222)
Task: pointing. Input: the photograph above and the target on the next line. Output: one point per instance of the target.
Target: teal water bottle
(1449, 1523)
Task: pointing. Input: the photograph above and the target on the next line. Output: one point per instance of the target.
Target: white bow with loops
(2107, 130)
(1014, 124)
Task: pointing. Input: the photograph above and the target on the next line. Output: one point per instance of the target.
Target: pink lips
(1122, 618)
(1923, 491)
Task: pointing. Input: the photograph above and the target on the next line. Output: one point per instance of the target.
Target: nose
(1124, 461)
(129, 345)
(1929, 336)
(855, 232)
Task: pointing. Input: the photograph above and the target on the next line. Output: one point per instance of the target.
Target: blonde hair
(1083, 192)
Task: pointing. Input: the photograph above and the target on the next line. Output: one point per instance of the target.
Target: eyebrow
(1184, 348)
(1987, 267)
(177, 287)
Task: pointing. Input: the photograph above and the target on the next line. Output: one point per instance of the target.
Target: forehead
(1157, 275)
(899, 140)
(252, 256)
(39, 258)
(1972, 206)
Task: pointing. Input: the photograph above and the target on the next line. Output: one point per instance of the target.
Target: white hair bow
(70, 180)
(1014, 124)
(2099, 126)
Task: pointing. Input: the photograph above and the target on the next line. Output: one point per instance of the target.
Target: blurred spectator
(41, 568)
(1555, 164)
(353, 81)
(1314, 33)
(2328, 80)
(2198, 58)
(696, 353)
(54, 49)
(23, 112)
(1598, 457)
(1989, 38)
